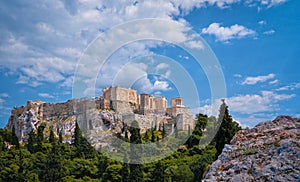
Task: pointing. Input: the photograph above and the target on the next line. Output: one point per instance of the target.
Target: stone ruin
(115, 108)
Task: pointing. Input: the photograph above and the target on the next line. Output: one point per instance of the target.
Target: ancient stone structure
(120, 99)
(126, 101)
(115, 108)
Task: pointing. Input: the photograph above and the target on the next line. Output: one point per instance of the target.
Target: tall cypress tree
(163, 131)
(152, 135)
(51, 136)
(31, 142)
(136, 170)
(77, 135)
(60, 137)
(227, 129)
(125, 170)
(14, 138)
(40, 137)
(83, 149)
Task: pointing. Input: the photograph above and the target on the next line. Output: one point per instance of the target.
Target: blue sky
(255, 41)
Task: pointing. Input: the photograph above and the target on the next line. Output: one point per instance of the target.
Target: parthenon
(148, 110)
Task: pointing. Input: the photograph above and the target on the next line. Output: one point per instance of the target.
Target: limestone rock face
(61, 117)
(268, 152)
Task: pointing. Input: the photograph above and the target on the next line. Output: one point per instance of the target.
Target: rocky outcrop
(61, 117)
(268, 152)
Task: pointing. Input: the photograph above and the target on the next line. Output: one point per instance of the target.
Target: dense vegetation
(51, 160)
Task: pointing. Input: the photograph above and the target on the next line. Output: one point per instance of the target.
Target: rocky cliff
(61, 117)
(268, 152)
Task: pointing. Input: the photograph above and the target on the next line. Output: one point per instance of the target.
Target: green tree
(83, 149)
(179, 173)
(125, 169)
(152, 135)
(54, 165)
(227, 129)
(136, 170)
(2, 144)
(60, 137)
(51, 136)
(146, 136)
(40, 137)
(201, 121)
(158, 173)
(163, 131)
(14, 138)
(126, 135)
(112, 173)
(77, 135)
(200, 166)
(31, 142)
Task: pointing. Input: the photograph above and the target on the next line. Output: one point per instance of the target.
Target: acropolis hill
(114, 110)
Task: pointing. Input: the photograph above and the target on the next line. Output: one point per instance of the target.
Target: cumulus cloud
(4, 95)
(46, 95)
(255, 80)
(265, 3)
(249, 104)
(257, 103)
(71, 25)
(262, 22)
(290, 87)
(224, 34)
(269, 32)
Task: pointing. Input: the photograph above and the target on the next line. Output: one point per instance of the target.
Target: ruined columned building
(148, 110)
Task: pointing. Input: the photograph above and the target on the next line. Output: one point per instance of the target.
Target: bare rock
(268, 152)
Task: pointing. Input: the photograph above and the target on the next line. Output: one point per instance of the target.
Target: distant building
(148, 110)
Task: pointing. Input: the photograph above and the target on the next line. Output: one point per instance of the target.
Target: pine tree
(152, 135)
(60, 137)
(31, 142)
(227, 128)
(126, 135)
(163, 131)
(136, 170)
(158, 173)
(51, 136)
(40, 137)
(77, 135)
(14, 138)
(54, 164)
(176, 131)
(125, 170)
(146, 135)
(83, 149)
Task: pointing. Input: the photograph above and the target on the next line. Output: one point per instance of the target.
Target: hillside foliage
(48, 159)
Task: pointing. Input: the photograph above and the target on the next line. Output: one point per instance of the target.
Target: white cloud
(161, 85)
(195, 44)
(274, 82)
(249, 104)
(5, 95)
(254, 80)
(161, 66)
(290, 87)
(264, 3)
(1, 103)
(224, 34)
(46, 95)
(262, 22)
(29, 48)
(237, 75)
(270, 3)
(269, 32)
